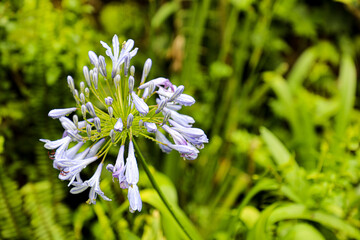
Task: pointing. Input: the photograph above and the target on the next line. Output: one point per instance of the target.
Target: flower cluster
(113, 113)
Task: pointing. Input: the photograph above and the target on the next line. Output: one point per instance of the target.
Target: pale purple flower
(83, 124)
(71, 167)
(118, 171)
(183, 120)
(177, 137)
(134, 198)
(70, 153)
(58, 113)
(183, 99)
(157, 82)
(179, 90)
(117, 59)
(114, 56)
(94, 149)
(150, 127)
(67, 124)
(140, 104)
(162, 139)
(110, 129)
(119, 125)
(189, 151)
(60, 145)
(94, 184)
(50, 145)
(132, 171)
(195, 136)
(74, 135)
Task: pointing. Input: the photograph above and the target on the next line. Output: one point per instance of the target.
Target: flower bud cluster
(115, 110)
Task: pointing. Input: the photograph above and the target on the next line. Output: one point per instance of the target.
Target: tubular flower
(114, 107)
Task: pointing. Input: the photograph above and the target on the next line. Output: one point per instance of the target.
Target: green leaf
(151, 197)
(260, 230)
(299, 211)
(295, 177)
(164, 12)
(303, 231)
(277, 149)
(264, 184)
(347, 90)
(301, 69)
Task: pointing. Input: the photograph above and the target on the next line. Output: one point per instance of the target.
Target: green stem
(158, 190)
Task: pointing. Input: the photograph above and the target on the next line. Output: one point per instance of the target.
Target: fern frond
(12, 221)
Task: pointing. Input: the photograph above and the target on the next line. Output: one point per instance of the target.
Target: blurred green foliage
(277, 94)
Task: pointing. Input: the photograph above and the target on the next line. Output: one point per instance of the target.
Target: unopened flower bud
(82, 98)
(129, 121)
(131, 83)
(87, 92)
(82, 87)
(95, 78)
(71, 84)
(115, 70)
(146, 70)
(151, 89)
(112, 135)
(177, 93)
(117, 81)
(161, 106)
(111, 111)
(108, 101)
(166, 117)
(102, 66)
(93, 59)
(97, 124)
(126, 64)
(76, 96)
(119, 125)
(87, 75)
(90, 109)
(83, 111)
(76, 120)
(132, 70)
(88, 130)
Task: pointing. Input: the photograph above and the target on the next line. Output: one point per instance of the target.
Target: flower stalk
(158, 190)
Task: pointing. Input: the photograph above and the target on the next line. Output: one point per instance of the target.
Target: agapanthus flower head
(115, 109)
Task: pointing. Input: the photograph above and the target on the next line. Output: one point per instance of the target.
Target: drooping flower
(94, 184)
(118, 171)
(115, 110)
(134, 198)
